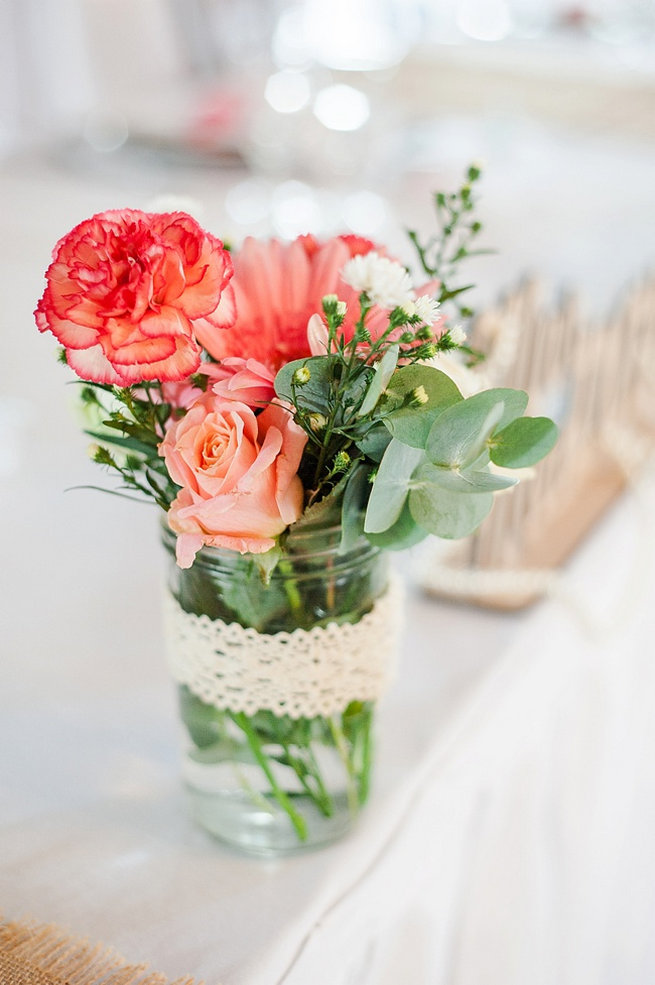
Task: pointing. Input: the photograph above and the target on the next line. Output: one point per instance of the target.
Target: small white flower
(386, 282)
(457, 335)
(423, 307)
(342, 308)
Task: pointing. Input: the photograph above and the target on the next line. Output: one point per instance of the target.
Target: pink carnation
(130, 295)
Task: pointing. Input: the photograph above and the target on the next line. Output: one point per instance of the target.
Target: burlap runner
(38, 954)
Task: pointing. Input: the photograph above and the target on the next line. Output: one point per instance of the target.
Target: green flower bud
(341, 461)
(317, 422)
(419, 395)
(301, 376)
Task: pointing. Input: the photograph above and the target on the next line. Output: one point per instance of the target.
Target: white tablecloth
(508, 839)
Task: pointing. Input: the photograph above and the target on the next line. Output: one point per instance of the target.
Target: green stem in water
(320, 796)
(290, 586)
(342, 748)
(297, 819)
(367, 755)
(316, 773)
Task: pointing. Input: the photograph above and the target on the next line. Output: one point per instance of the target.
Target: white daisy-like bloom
(425, 307)
(457, 335)
(386, 282)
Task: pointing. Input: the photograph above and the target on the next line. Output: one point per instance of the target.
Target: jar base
(264, 829)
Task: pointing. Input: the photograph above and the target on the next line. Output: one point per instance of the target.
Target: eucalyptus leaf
(315, 393)
(352, 510)
(411, 424)
(404, 533)
(468, 481)
(514, 402)
(457, 440)
(375, 442)
(391, 485)
(384, 370)
(446, 514)
(523, 442)
(460, 435)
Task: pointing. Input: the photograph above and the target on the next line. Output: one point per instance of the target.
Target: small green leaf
(460, 433)
(411, 424)
(515, 402)
(375, 442)
(391, 485)
(352, 510)
(523, 442)
(313, 395)
(457, 440)
(447, 514)
(384, 370)
(466, 481)
(404, 533)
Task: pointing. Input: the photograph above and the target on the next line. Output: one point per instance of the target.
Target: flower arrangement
(257, 393)
(244, 392)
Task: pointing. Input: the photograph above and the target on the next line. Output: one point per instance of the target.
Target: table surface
(508, 836)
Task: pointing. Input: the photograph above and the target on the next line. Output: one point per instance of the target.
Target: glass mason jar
(263, 779)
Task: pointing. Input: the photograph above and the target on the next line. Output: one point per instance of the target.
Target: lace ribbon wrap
(303, 673)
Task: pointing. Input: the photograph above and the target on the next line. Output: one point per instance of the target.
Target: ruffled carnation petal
(133, 284)
(92, 364)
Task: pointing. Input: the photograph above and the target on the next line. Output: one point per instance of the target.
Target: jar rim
(301, 538)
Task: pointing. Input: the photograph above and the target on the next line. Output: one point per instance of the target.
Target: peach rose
(132, 296)
(238, 473)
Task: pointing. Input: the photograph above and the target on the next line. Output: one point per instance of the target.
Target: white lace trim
(301, 674)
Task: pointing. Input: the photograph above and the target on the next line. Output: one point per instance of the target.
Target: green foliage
(129, 425)
(447, 514)
(402, 534)
(353, 507)
(460, 435)
(384, 371)
(375, 441)
(391, 486)
(464, 481)
(393, 449)
(523, 442)
(325, 512)
(411, 423)
(442, 254)
(326, 389)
